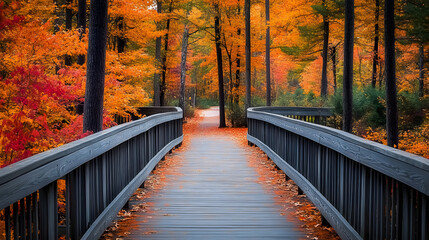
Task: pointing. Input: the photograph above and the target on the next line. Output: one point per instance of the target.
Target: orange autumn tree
(35, 102)
(37, 120)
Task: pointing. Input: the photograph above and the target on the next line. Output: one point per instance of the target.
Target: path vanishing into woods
(208, 189)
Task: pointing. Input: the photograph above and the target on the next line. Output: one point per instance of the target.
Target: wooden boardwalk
(215, 197)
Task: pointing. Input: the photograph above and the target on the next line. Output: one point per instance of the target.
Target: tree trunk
(248, 55)
(237, 71)
(57, 23)
(120, 39)
(69, 16)
(237, 80)
(334, 66)
(348, 66)
(324, 83)
(267, 51)
(380, 74)
(183, 67)
(231, 82)
(58, 15)
(219, 68)
(194, 81)
(360, 68)
(81, 25)
(421, 71)
(157, 75)
(389, 52)
(96, 65)
(375, 50)
(164, 59)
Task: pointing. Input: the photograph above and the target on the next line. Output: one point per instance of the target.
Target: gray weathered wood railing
(317, 115)
(365, 190)
(100, 173)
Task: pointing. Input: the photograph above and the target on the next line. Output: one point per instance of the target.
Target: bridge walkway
(212, 194)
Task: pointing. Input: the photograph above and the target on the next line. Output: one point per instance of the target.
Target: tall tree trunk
(96, 65)
(183, 67)
(348, 66)
(334, 66)
(421, 70)
(69, 16)
(389, 53)
(360, 68)
(157, 75)
(324, 83)
(248, 55)
(164, 59)
(120, 39)
(267, 51)
(380, 74)
(237, 71)
(254, 77)
(375, 50)
(231, 81)
(58, 15)
(194, 81)
(81, 25)
(237, 80)
(219, 68)
(57, 24)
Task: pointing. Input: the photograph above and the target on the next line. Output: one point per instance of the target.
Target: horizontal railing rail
(77, 189)
(365, 190)
(143, 111)
(308, 114)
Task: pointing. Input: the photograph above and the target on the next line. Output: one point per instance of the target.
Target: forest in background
(168, 49)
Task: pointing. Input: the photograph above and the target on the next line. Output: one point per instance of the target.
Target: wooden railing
(97, 174)
(365, 190)
(308, 114)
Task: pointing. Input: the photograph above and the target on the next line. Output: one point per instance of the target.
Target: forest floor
(293, 207)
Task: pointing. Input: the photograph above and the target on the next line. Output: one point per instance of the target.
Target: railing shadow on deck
(365, 190)
(100, 173)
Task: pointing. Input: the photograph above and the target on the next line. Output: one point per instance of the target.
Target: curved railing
(309, 114)
(365, 190)
(100, 173)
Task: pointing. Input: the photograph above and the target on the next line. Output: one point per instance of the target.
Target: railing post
(319, 167)
(48, 208)
(364, 230)
(317, 119)
(75, 181)
(300, 192)
(424, 229)
(405, 204)
(325, 222)
(7, 222)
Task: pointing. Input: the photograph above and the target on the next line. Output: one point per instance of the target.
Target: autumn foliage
(42, 96)
(33, 113)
